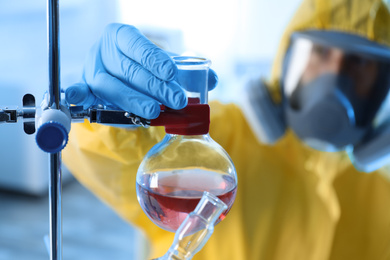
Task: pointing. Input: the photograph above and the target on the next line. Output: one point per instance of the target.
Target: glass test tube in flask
(176, 172)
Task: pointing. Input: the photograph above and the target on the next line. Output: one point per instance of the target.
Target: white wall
(239, 36)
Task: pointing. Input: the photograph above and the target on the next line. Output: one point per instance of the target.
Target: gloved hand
(126, 70)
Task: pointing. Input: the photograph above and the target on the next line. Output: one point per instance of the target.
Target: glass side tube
(196, 229)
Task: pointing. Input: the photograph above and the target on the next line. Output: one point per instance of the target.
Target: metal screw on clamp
(137, 120)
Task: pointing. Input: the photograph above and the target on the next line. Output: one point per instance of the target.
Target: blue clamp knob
(52, 137)
(53, 129)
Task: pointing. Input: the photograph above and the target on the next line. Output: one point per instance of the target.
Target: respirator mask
(335, 97)
(332, 91)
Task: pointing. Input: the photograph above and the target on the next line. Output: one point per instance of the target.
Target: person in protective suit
(301, 144)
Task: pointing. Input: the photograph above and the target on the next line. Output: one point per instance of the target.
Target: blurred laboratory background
(240, 37)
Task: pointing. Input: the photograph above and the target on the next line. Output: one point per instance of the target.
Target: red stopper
(194, 119)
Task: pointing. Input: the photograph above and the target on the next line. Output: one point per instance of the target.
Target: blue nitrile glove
(126, 70)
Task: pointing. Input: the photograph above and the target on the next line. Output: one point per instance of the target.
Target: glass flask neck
(195, 136)
(193, 73)
(194, 119)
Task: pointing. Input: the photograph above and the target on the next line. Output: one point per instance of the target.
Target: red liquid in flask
(168, 197)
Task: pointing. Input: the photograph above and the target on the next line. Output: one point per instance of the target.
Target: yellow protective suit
(293, 203)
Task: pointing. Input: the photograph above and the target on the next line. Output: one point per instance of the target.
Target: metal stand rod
(54, 53)
(55, 192)
(55, 183)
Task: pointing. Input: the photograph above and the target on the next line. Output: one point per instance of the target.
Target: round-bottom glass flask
(176, 172)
